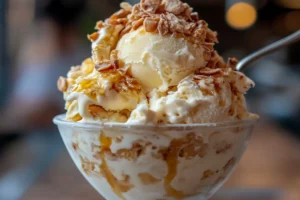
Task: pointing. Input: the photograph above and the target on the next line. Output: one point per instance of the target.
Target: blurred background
(41, 39)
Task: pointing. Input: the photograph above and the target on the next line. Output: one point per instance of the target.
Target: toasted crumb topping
(163, 17)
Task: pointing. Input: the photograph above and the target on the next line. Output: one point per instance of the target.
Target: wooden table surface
(272, 161)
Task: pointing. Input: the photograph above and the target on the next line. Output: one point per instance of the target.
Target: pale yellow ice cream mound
(154, 62)
(159, 61)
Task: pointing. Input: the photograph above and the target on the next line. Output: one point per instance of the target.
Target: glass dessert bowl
(149, 162)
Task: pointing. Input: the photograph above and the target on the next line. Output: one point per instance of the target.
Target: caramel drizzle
(117, 186)
(172, 163)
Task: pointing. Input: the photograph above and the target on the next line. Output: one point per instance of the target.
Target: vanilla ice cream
(155, 113)
(159, 61)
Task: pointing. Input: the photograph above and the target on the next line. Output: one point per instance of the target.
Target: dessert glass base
(155, 162)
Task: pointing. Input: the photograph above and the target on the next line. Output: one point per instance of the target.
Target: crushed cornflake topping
(232, 62)
(113, 63)
(150, 6)
(209, 71)
(216, 61)
(163, 17)
(126, 6)
(62, 84)
(94, 36)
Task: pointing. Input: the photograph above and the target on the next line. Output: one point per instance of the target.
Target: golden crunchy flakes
(103, 65)
(114, 58)
(137, 24)
(151, 24)
(99, 25)
(62, 84)
(150, 6)
(127, 29)
(126, 6)
(120, 14)
(208, 71)
(113, 21)
(195, 16)
(94, 36)
(174, 6)
(232, 62)
(165, 17)
(95, 109)
(163, 26)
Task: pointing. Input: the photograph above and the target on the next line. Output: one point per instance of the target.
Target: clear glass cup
(155, 162)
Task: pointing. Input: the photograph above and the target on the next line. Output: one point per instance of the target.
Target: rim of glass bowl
(60, 120)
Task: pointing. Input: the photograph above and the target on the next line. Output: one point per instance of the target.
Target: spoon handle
(242, 64)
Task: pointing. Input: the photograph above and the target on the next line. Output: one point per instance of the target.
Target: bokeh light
(292, 21)
(293, 4)
(241, 15)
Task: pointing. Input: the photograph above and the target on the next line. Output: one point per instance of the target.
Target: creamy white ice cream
(159, 61)
(202, 99)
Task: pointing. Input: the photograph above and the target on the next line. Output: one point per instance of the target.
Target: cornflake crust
(164, 17)
(62, 84)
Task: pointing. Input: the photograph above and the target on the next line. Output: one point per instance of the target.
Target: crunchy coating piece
(151, 24)
(174, 6)
(113, 21)
(187, 13)
(114, 57)
(163, 26)
(209, 71)
(62, 84)
(231, 63)
(216, 61)
(195, 16)
(99, 25)
(137, 24)
(126, 30)
(176, 24)
(126, 6)
(104, 64)
(150, 6)
(113, 63)
(93, 37)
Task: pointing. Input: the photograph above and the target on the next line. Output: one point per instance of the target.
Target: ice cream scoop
(158, 61)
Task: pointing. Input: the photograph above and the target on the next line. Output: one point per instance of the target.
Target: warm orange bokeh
(241, 15)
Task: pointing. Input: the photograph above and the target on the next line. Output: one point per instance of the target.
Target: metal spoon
(242, 65)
